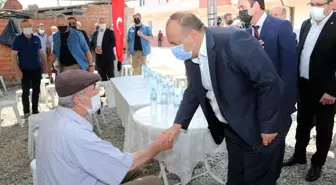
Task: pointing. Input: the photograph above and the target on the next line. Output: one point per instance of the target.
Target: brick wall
(88, 20)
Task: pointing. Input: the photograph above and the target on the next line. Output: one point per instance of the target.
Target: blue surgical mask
(180, 53)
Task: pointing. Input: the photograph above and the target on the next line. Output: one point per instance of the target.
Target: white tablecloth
(131, 93)
(189, 148)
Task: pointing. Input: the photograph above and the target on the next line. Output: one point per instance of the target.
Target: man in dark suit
(277, 38)
(317, 86)
(231, 77)
(103, 41)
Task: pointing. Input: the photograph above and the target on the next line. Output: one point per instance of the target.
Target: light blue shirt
(68, 152)
(146, 45)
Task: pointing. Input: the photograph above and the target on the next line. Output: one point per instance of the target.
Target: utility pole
(212, 16)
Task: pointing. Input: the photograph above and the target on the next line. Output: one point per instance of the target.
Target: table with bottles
(190, 146)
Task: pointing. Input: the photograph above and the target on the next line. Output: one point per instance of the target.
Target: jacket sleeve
(252, 60)
(113, 40)
(288, 65)
(189, 105)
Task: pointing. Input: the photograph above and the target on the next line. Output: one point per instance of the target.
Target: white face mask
(27, 31)
(317, 13)
(41, 31)
(102, 26)
(95, 103)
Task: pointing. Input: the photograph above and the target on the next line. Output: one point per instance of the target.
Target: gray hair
(67, 101)
(61, 16)
(188, 21)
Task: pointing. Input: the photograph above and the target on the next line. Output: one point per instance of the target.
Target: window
(142, 2)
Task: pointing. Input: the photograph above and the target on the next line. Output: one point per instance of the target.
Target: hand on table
(327, 99)
(268, 138)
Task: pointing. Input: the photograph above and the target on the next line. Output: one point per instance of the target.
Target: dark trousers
(159, 43)
(310, 110)
(105, 68)
(31, 79)
(248, 166)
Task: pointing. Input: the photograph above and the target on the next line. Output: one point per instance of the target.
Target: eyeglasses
(317, 4)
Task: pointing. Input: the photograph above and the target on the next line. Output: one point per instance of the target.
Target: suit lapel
(212, 60)
(304, 36)
(104, 39)
(264, 30)
(330, 23)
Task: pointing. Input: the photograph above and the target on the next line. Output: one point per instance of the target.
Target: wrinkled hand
(19, 74)
(162, 141)
(173, 131)
(140, 33)
(261, 42)
(327, 99)
(268, 138)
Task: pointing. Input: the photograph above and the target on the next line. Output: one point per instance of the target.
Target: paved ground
(14, 162)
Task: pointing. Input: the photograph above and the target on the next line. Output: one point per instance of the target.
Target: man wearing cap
(68, 152)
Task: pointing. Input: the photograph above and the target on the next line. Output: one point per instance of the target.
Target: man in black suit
(234, 81)
(103, 42)
(317, 86)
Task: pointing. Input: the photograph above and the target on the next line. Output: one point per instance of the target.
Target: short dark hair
(138, 14)
(187, 21)
(261, 3)
(72, 18)
(227, 15)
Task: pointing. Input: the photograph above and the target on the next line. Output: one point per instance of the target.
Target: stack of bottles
(165, 95)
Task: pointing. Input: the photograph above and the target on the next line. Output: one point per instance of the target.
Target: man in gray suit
(231, 77)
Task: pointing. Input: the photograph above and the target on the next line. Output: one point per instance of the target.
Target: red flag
(118, 8)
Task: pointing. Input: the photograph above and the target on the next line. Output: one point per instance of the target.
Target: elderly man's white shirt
(203, 62)
(68, 152)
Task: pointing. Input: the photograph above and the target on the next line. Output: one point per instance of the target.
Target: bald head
(53, 29)
(279, 12)
(187, 29)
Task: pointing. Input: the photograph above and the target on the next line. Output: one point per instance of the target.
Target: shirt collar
(324, 21)
(261, 20)
(202, 52)
(70, 114)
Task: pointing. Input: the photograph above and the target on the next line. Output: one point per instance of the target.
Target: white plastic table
(189, 147)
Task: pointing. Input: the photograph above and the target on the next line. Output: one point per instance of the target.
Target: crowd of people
(247, 82)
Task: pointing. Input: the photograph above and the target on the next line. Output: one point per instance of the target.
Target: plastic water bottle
(153, 100)
(177, 102)
(164, 96)
(171, 92)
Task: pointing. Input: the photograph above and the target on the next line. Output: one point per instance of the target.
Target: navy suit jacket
(246, 86)
(280, 46)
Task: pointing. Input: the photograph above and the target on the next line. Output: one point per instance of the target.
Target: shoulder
(36, 38)
(131, 29)
(227, 33)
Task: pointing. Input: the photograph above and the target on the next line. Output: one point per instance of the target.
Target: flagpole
(110, 13)
(209, 13)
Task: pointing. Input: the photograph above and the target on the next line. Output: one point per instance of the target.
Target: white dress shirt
(203, 62)
(100, 37)
(260, 23)
(68, 152)
(309, 45)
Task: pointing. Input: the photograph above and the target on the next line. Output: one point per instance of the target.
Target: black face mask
(62, 29)
(137, 20)
(229, 22)
(97, 28)
(244, 16)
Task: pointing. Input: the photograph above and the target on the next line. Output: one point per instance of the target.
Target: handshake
(164, 140)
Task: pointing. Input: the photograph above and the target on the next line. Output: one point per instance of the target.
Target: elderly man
(27, 54)
(43, 37)
(70, 48)
(234, 81)
(70, 153)
(281, 13)
(103, 41)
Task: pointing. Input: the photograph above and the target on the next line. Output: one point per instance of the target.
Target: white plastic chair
(44, 83)
(33, 171)
(50, 90)
(3, 83)
(13, 104)
(18, 95)
(33, 126)
(127, 70)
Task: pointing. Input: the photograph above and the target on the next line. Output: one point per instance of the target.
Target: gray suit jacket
(246, 85)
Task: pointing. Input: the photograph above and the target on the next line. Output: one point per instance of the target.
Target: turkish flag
(118, 9)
